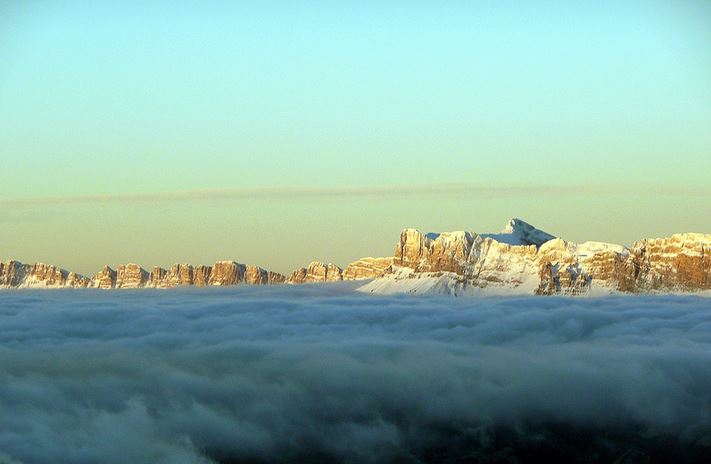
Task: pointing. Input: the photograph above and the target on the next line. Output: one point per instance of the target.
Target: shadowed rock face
(275, 278)
(298, 276)
(317, 272)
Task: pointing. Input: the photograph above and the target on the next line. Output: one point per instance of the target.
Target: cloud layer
(281, 193)
(321, 374)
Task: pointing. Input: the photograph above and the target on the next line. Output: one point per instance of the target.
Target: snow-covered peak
(518, 232)
(582, 250)
(450, 237)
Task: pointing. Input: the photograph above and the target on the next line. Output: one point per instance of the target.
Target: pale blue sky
(608, 102)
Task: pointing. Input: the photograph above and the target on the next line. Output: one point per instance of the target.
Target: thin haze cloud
(380, 191)
(321, 374)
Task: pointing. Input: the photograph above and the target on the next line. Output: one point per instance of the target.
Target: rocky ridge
(521, 259)
(316, 272)
(14, 274)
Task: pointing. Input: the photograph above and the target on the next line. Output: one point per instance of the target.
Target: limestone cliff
(682, 261)
(367, 268)
(317, 272)
(520, 259)
(14, 274)
(523, 259)
(106, 278)
(131, 276)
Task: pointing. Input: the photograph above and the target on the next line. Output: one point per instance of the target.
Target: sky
(280, 132)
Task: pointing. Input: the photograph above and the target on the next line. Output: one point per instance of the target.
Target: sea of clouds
(320, 373)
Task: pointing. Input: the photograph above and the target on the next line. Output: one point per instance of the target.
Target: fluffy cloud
(322, 374)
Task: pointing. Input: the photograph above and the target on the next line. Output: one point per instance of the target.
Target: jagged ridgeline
(521, 259)
(524, 260)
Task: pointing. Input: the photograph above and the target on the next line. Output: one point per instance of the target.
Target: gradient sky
(277, 132)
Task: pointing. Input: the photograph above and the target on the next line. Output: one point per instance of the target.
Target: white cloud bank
(309, 373)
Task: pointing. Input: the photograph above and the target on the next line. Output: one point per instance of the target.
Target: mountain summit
(518, 232)
(525, 260)
(520, 259)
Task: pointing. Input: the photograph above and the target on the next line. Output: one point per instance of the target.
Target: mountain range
(520, 259)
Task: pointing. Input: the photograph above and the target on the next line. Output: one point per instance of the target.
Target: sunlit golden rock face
(201, 275)
(48, 275)
(494, 263)
(131, 276)
(220, 274)
(106, 278)
(367, 268)
(227, 273)
(12, 273)
(255, 275)
(75, 280)
(412, 249)
(682, 261)
(157, 278)
(445, 252)
(179, 275)
(572, 268)
(317, 272)
(520, 258)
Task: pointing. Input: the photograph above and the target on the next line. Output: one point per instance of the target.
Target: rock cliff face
(520, 260)
(367, 268)
(256, 276)
(131, 276)
(275, 278)
(571, 268)
(227, 273)
(523, 259)
(682, 261)
(157, 277)
(14, 274)
(106, 278)
(317, 272)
